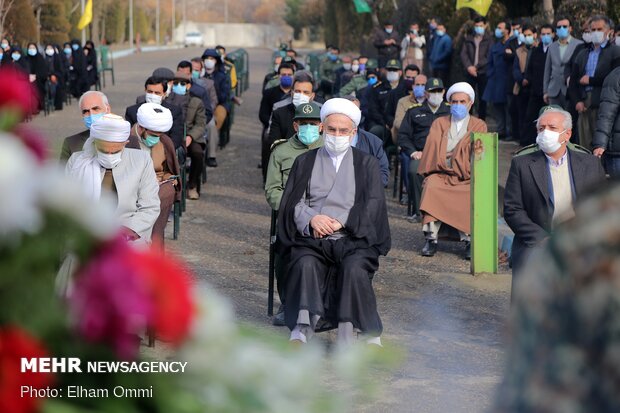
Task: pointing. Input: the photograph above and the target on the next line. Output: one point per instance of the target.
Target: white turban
(461, 87)
(154, 117)
(343, 107)
(110, 128)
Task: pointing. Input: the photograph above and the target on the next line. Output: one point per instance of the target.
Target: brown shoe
(193, 193)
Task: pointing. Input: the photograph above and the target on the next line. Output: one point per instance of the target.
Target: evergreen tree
(54, 23)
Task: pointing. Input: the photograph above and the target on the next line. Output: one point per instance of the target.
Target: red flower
(122, 291)
(169, 287)
(17, 97)
(15, 344)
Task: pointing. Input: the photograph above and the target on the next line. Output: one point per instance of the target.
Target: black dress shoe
(468, 250)
(211, 162)
(430, 248)
(278, 319)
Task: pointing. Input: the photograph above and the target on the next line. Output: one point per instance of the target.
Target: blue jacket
(497, 74)
(371, 144)
(222, 86)
(441, 53)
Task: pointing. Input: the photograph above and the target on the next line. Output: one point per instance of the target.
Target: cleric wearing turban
(154, 121)
(105, 165)
(445, 165)
(333, 218)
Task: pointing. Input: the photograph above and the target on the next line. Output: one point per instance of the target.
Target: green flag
(361, 6)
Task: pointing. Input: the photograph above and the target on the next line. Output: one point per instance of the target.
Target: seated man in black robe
(333, 218)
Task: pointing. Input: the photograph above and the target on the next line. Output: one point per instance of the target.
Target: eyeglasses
(179, 82)
(561, 27)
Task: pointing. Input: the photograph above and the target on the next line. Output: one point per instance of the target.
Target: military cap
(434, 83)
(393, 64)
(546, 108)
(308, 111)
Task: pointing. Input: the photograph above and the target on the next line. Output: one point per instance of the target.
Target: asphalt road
(449, 323)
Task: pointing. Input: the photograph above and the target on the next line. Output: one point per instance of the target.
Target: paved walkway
(449, 323)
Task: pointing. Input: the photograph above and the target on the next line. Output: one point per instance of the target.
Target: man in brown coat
(445, 164)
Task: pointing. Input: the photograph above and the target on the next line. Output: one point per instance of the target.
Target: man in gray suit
(557, 69)
(126, 175)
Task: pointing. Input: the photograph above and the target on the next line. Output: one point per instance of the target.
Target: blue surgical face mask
(458, 111)
(67, 50)
(388, 31)
(75, 46)
(195, 74)
(362, 67)
(332, 57)
(528, 40)
(562, 32)
(308, 134)
(479, 30)
(439, 33)
(32, 52)
(286, 81)
(418, 91)
(516, 33)
(151, 140)
(90, 119)
(16, 56)
(521, 38)
(372, 81)
(546, 39)
(179, 89)
(499, 33)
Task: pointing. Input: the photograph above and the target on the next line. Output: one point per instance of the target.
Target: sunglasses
(180, 82)
(561, 27)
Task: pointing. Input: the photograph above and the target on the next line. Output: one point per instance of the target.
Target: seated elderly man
(542, 186)
(93, 105)
(153, 122)
(333, 218)
(445, 166)
(127, 174)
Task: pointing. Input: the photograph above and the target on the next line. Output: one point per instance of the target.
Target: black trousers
(479, 83)
(335, 287)
(196, 152)
(520, 103)
(528, 132)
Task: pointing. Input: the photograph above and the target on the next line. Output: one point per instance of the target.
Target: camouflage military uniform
(565, 337)
(357, 83)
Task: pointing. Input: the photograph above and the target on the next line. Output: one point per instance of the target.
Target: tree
(292, 16)
(5, 6)
(142, 24)
(20, 22)
(269, 12)
(54, 23)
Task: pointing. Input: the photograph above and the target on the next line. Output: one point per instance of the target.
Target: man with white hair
(154, 121)
(127, 175)
(333, 218)
(445, 166)
(93, 105)
(543, 185)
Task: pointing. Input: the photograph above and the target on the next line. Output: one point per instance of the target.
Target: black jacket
(468, 52)
(175, 133)
(528, 206)
(270, 97)
(282, 123)
(603, 67)
(416, 125)
(607, 135)
(377, 101)
(535, 69)
(393, 97)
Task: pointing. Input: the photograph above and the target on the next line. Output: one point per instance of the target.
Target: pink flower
(110, 302)
(17, 97)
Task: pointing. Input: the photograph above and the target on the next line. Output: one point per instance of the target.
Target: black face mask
(409, 84)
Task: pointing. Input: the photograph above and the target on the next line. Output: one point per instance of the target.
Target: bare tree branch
(5, 7)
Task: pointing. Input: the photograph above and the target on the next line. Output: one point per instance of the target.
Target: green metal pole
(484, 210)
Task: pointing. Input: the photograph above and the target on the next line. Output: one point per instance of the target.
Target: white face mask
(355, 68)
(435, 99)
(346, 66)
(209, 64)
(587, 37)
(49, 52)
(153, 98)
(549, 141)
(597, 37)
(300, 99)
(337, 145)
(393, 76)
(109, 160)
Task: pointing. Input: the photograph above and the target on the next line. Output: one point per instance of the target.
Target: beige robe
(446, 189)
